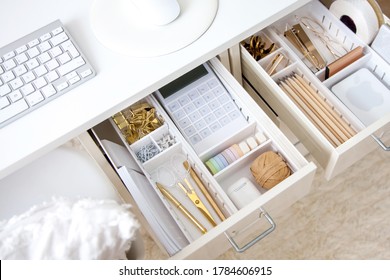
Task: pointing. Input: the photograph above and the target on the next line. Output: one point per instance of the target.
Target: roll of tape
(359, 16)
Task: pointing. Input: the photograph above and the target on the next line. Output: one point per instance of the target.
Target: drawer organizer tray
(317, 128)
(237, 225)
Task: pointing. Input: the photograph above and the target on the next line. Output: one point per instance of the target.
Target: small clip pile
(257, 47)
(137, 121)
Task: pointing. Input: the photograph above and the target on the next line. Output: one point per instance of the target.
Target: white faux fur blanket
(68, 229)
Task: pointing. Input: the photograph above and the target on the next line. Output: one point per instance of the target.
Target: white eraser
(260, 137)
(251, 142)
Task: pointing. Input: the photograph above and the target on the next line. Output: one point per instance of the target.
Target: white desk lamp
(148, 28)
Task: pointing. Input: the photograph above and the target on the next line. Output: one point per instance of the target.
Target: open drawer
(313, 111)
(237, 225)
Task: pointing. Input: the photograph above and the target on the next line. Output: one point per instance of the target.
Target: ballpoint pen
(179, 206)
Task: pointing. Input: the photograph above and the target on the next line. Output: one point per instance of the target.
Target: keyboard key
(9, 64)
(52, 76)
(52, 64)
(15, 96)
(70, 66)
(86, 73)
(21, 58)
(199, 102)
(12, 110)
(213, 83)
(20, 70)
(32, 63)
(195, 116)
(16, 83)
(184, 122)
(189, 130)
(205, 132)
(64, 58)
(35, 98)
(45, 46)
(68, 46)
(56, 51)
(9, 55)
(8, 76)
(200, 124)
(179, 114)
(57, 31)
(194, 139)
(173, 106)
(203, 88)
(48, 90)
(40, 82)
(40, 71)
(74, 80)
(45, 37)
(28, 77)
(62, 86)
(189, 108)
(234, 115)
(33, 52)
(33, 43)
(27, 89)
(43, 58)
(193, 94)
(183, 100)
(4, 89)
(21, 49)
(215, 126)
(4, 102)
(58, 39)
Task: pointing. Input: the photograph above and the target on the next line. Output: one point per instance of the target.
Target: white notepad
(365, 95)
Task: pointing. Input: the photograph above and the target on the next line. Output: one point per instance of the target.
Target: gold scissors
(192, 195)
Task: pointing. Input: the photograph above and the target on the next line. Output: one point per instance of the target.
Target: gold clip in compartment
(298, 37)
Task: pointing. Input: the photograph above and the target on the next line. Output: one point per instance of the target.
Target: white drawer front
(239, 223)
(334, 158)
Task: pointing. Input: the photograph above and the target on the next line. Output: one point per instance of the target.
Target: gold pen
(179, 206)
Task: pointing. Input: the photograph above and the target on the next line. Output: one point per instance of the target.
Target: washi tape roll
(229, 156)
(251, 143)
(359, 16)
(238, 150)
(260, 137)
(244, 147)
(222, 160)
(211, 167)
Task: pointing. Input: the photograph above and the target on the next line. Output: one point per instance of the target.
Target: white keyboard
(37, 68)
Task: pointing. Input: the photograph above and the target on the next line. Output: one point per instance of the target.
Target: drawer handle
(379, 141)
(256, 239)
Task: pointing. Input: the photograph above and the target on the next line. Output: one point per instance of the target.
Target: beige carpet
(345, 218)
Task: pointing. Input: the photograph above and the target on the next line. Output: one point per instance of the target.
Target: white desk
(120, 80)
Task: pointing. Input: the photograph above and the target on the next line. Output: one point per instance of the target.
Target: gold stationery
(137, 121)
(204, 190)
(298, 37)
(179, 206)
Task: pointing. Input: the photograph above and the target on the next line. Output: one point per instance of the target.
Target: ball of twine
(269, 169)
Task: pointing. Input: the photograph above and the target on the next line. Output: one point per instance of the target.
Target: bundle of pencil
(317, 109)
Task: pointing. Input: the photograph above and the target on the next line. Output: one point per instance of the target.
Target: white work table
(120, 80)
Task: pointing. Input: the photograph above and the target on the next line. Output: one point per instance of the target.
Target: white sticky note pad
(365, 95)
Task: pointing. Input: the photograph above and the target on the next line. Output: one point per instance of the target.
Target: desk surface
(120, 80)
